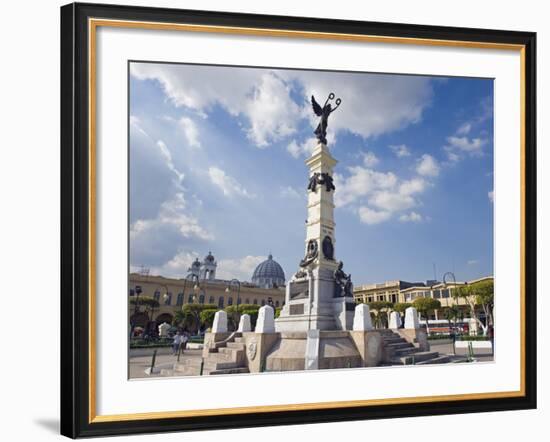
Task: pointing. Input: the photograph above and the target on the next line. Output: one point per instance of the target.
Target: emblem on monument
(251, 349)
(312, 253)
(320, 178)
(324, 113)
(328, 248)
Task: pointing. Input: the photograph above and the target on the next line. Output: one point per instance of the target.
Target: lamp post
(195, 279)
(137, 291)
(451, 274)
(228, 289)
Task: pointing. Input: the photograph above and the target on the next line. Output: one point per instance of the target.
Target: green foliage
(207, 317)
(379, 312)
(401, 306)
(253, 313)
(453, 313)
(145, 301)
(426, 305)
(380, 306)
(277, 312)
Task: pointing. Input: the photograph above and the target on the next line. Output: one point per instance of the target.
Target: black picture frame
(75, 221)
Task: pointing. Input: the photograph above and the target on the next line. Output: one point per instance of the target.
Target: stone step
(237, 345)
(240, 340)
(392, 340)
(229, 371)
(232, 352)
(407, 351)
(400, 345)
(416, 357)
(443, 359)
(218, 365)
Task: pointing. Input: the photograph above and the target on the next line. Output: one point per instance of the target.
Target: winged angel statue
(324, 113)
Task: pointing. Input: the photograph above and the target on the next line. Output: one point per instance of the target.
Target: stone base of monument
(313, 350)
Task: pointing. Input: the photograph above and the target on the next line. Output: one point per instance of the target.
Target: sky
(217, 163)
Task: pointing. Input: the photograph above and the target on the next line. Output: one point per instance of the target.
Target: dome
(209, 258)
(269, 274)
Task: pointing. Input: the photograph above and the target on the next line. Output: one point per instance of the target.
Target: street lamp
(228, 289)
(137, 291)
(195, 279)
(451, 274)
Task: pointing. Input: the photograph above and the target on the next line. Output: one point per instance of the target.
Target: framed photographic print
(274, 220)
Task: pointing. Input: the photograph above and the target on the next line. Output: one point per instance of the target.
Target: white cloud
(272, 113)
(412, 186)
(240, 268)
(361, 182)
(411, 217)
(172, 214)
(290, 192)
(177, 266)
(165, 152)
(372, 104)
(491, 196)
(228, 185)
(464, 129)
(401, 150)
(472, 262)
(370, 159)
(427, 166)
(392, 201)
(190, 131)
(304, 149)
(465, 144)
(370, 216)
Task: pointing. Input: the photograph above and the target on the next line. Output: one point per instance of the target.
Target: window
(247, 301)
(168, 299)
(220, 302)
(445, 293)
(255, 302)
(190, 298)
(157, 295)
(263, 302)
(179, 300)
(201, 299)
(437, 294)
(239, 301)
(230, 300)
(211, 300)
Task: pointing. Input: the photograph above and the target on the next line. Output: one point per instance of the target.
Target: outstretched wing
(316, 108)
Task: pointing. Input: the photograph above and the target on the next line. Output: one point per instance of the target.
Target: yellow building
(201, 286)
(398, 291)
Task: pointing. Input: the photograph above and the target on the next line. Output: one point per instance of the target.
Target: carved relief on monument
(328, 248)
(311, 254)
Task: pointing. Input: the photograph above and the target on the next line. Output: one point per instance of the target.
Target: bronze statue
(321, 178)
(344, 286)
(324, 113)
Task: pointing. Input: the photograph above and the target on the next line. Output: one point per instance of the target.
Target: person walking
(178, 341)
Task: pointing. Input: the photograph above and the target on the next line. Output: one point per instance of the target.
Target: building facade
(406, 292)
(200, 286)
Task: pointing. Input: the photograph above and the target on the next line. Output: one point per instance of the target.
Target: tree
(149, 303)
(189, 317)
(207, 317)
(479, 294)
(380, 310)
(452, 314)
(425, 306)
(234, 313)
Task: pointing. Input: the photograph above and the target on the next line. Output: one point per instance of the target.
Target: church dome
(269, 274)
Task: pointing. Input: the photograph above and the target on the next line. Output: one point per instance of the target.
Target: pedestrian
(178, 340)
(184, 338)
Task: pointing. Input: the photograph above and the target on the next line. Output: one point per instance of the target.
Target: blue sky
(217, 163)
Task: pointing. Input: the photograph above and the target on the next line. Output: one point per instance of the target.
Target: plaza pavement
(139, 364)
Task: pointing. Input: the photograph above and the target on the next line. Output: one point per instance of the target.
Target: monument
(320, 294)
